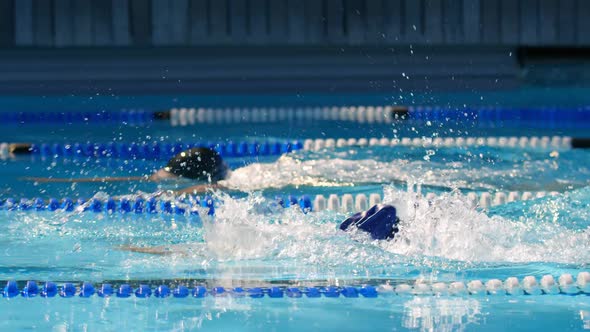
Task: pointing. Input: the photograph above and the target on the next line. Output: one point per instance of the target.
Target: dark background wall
(79, 46)
(100, 23)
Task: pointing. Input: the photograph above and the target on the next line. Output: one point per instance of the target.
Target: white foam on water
(240, 231)
(253, 232)
(289, 170)
(341, 169)
(446, 227)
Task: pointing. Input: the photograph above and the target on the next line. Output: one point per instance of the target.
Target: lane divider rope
(369, 114)
(360, 202)
(236, 149)
(147, 150)
(132, 116)
(512, 286)
(560, 142)
(189, 204)
(533, 116)
(540, 117)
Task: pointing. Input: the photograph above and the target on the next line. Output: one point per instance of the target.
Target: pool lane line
(148, 151)
(360, 202)
(482, 116)
(542, 117)
(188, 205)
(543, 142)
(120, 116)
(158, 151)
(370, 114)
(191, 205)
(512, 286)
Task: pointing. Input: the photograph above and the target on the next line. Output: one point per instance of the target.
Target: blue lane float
(181, 206)
(565, 285)
(123, 205)
(131, 116)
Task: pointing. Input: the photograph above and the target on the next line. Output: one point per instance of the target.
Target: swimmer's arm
(159, 250)
(156, 177)
(95, 179)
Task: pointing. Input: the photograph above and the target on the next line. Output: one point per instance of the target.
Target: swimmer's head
(200, 164)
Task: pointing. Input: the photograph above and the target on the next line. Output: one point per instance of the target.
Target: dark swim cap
(198, 164)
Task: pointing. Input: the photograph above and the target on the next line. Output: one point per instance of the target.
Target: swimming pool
(427, 279)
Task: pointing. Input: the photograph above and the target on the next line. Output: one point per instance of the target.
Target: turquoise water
(251, 244)
(412, 313)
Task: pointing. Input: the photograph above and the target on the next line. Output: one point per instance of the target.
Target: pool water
(253, 243)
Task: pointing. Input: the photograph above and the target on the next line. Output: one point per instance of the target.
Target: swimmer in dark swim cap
(203, 165)
(200, 164)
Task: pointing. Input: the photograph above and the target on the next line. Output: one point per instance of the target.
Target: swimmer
(202, 165)
(380, 222)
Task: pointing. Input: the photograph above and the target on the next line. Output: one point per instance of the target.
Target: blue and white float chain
(131, 116)
(345, 203)
(482, 115)
(558, 142)
(153, 150)
(240, 149)
(543, 117)
(511, 286)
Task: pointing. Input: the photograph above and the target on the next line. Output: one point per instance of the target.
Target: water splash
(569, 209)
(252, 237)
(447, 227)
(474, 168)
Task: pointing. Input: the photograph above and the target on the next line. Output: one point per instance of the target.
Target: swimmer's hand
(96, 179)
